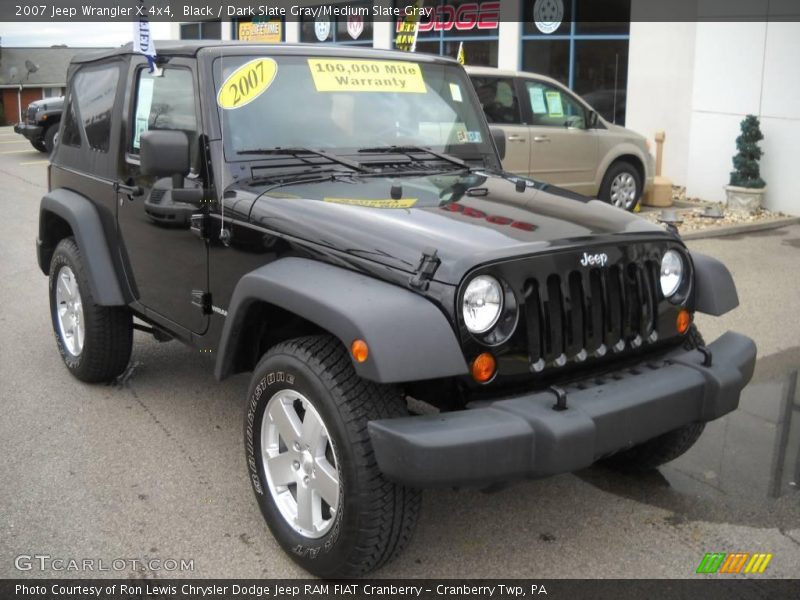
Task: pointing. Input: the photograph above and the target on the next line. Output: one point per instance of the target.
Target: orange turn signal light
(360, 350)
(483, 367)
(683, 321)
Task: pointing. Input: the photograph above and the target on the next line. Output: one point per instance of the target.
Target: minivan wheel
(622, 186)
(95, 342)
(311, 464)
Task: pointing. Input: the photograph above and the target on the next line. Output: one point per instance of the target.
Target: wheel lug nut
(296, 465)
(297, 446)
(305, 480)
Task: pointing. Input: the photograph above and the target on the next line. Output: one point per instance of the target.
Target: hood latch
(428, 263)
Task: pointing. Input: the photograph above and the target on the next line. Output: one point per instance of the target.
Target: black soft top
(192, 48)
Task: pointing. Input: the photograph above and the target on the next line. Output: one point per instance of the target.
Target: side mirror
(591, 122)
(499, 137)
(164, 153)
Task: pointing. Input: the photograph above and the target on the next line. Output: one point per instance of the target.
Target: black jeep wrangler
(41, 122)
(336, 221)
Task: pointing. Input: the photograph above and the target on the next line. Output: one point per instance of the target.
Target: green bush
(745, 163)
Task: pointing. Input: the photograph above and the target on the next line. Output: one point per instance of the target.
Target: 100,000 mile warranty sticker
(339, 75)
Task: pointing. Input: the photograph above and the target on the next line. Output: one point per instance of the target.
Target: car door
(166, 262)
(563, 148)
(500, 102)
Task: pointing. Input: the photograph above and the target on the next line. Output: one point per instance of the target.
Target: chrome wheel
(300, 463)
(623, 190)
(69, 311)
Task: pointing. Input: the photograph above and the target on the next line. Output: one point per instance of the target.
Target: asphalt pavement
(153, 466)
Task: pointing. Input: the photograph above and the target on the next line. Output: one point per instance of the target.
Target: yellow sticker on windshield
(387, 203)
(339, 75)
(247, 83)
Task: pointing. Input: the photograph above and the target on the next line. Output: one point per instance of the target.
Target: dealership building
(694, 79)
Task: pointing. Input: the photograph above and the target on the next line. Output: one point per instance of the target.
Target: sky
(74, 34)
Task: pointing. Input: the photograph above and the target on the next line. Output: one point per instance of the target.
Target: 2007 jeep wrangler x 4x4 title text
(337, 222)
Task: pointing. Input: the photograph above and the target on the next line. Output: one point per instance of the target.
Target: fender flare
(715, 291)
(409, 338)
(84, 220)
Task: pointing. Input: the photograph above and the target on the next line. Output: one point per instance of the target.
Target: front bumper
(524, 437)
(31, 132)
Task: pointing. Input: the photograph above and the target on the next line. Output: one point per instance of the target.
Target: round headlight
(482, 304)
(671, 273)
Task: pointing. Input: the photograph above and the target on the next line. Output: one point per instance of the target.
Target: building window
(475, 24)
(547, 57)
(587, 51)
(203, 30)
(52, 92)
(354, 28)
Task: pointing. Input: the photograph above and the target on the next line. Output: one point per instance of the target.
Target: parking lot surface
(153, 466)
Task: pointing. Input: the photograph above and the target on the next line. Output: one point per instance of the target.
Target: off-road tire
(666, 447)
(375, 517)
(50, 138)
(108, 329)
(39, 145)
(615, 170)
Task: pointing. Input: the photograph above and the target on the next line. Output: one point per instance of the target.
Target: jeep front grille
(31, 114)
(590, 312)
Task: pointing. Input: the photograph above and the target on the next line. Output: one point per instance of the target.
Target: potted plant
(746, 189)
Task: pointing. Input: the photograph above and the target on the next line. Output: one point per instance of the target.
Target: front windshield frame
(447, 72)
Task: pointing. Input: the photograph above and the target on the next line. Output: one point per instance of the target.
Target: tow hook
(707, 357)
(561, 398)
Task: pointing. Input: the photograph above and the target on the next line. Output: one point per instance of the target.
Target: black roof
(191, 48)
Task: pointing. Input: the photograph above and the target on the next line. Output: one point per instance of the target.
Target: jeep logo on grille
(600, 260)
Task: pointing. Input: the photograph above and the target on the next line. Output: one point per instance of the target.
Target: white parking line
(35, 162)
(14, 142)
(16, 151)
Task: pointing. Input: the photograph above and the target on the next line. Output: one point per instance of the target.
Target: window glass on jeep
(343, 105)
(71, 135)
(94, 92)
(164, 102)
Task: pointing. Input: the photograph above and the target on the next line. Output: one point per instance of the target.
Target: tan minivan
(554, 136)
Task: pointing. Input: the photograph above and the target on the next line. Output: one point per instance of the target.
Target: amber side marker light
(483, 367)
(360, 350)
(683, 321)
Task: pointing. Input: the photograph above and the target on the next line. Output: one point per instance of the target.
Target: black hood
(469, 220)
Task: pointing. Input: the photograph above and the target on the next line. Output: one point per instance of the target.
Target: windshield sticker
(554, 107)
(455, 92)
(474, 137)
(339, 75)
(538, 105)
(247, 83)
(387, 203)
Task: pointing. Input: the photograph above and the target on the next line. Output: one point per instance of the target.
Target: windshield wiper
(407, 150)
(296, 151)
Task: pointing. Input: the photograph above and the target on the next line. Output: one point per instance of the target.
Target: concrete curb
(737, 229)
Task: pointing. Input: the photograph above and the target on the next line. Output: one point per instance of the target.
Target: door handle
(129, 190)
(516, 138)
(541, 138)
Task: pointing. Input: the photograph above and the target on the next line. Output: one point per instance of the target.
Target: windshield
(343, 105)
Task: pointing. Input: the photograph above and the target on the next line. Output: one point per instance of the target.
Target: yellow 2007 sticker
(340, 75)
(247, 83)
(374, 203)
